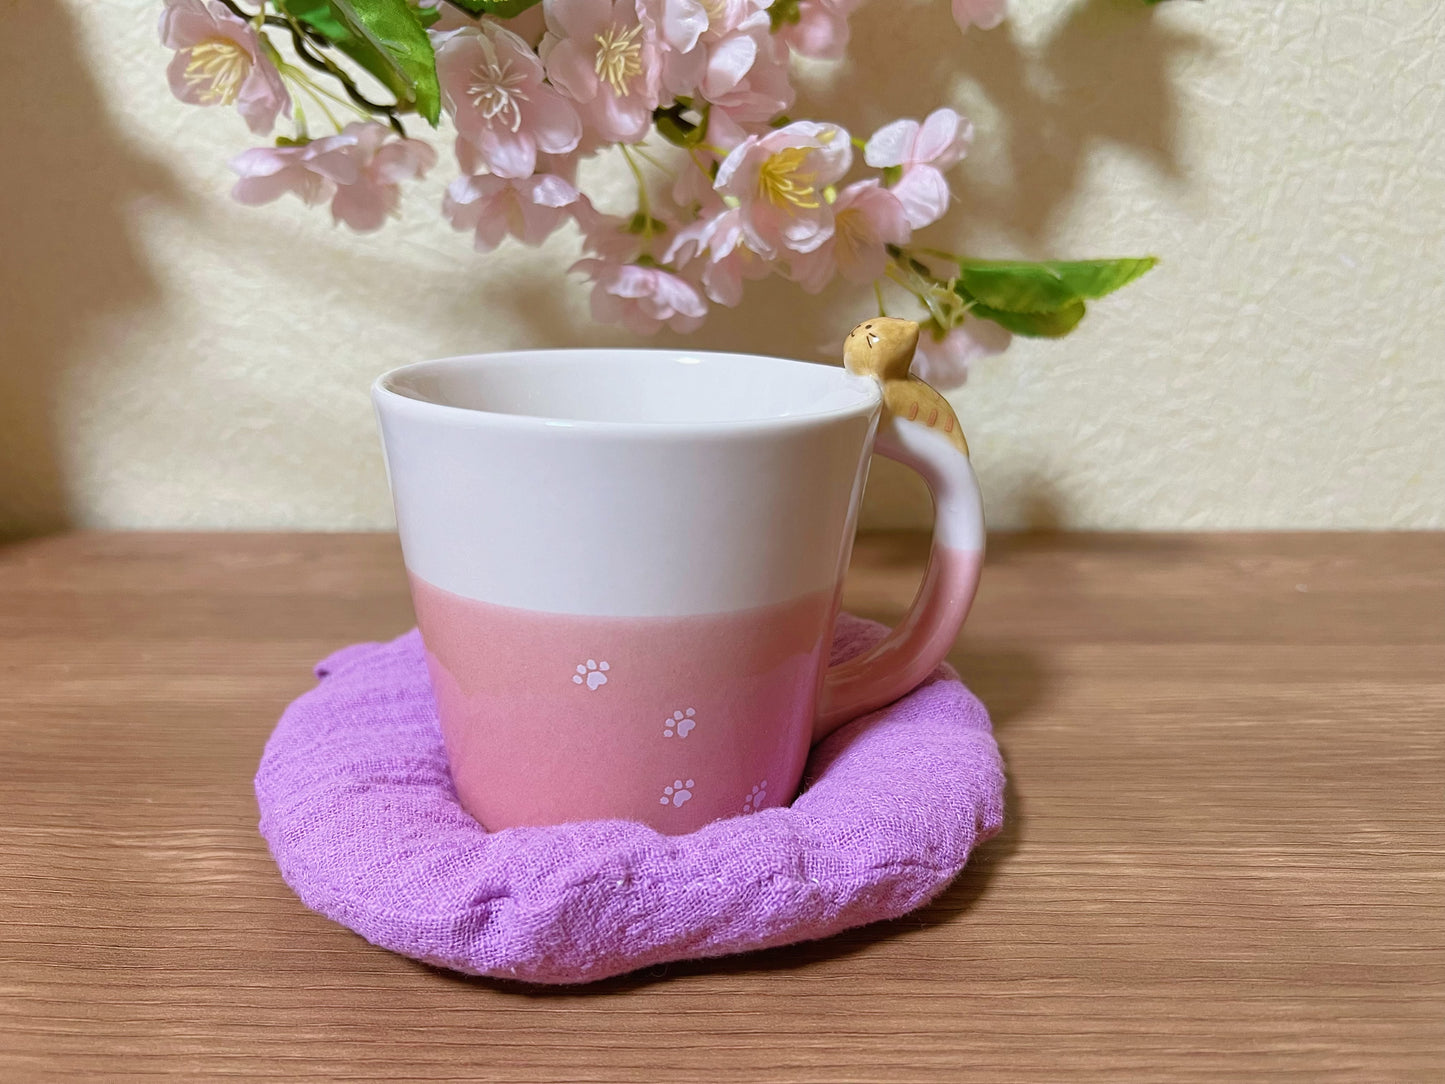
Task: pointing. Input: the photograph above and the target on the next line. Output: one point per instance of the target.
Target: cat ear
(858, 350)
(899, 342)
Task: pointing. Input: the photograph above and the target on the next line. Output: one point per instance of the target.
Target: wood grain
(1225, 855)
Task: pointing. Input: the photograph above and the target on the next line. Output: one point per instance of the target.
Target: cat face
(881, 347)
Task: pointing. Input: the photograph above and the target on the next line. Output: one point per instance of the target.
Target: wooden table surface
(1224, 860)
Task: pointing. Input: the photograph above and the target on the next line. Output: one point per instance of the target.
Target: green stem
(314, 88)
(707, 169)
(304, 39)
(261, 18)
(644, 207)
(301, 131)
(303, 82)
(653, 162)
(940, 254)
(321, 62)
(897, 274)
(236, 11)
(919, 284)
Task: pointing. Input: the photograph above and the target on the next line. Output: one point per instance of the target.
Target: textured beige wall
(168, 359)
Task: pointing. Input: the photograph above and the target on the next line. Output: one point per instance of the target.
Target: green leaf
(1035, 325)
(1051, 286)
(386, 37)
(428, 16)
(321, 16)
(675, 127)
(502, 9)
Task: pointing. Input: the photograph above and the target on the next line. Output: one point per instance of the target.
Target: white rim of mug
(459, 415)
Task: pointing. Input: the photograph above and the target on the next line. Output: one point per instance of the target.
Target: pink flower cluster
(220, 61)
(748, 195)
(359, 170)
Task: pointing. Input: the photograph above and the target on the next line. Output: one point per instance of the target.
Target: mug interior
(633, 387)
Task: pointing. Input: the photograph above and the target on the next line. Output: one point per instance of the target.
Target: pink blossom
(383, 162)
(820, 29)
(780, 180)
(559, 165)
(745, 102)
(984, 14)
(528, 209)
(867, 218)
(729, 262)
(609, 237)
(220, 60)
(359, 170)
(943, 358)
(309, 171)
(642, 299)
(494, 87)
(693, 187)
(625, 238)
(709, 46)
(723, 278)
(601, 55)
(922, 152)
(470, 159)
(679, 24)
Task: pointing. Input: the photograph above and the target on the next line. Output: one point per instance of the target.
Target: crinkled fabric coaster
(359, 811)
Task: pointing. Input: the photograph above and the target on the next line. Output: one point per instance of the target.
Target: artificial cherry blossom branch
(321, 62)
(757, 194)
(302, 40)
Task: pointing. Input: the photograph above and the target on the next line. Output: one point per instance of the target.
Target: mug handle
(924, 637)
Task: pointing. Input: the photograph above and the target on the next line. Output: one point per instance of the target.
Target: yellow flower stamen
(217, 68)
(495, 89)
(619, 57)
(782, 182)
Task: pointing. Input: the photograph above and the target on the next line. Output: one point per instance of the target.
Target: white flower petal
(891, 144)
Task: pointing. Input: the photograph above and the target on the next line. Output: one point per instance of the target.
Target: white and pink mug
(626, 565)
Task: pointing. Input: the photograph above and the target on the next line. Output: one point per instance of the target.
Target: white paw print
(678, 793)
(593, 674)
(680, 724)
(754, 801)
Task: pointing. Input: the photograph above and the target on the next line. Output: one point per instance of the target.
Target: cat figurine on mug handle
(883, 348)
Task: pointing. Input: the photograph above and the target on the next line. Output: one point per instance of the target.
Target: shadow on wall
(67, 256)
(1100, 76)
(69, 261)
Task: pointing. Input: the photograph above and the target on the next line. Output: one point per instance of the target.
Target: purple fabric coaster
(359, 811)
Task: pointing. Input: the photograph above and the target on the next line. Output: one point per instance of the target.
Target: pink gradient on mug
(672, 721)
(904, 660)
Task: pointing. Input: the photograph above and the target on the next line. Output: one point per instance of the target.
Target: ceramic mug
(626, 565)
